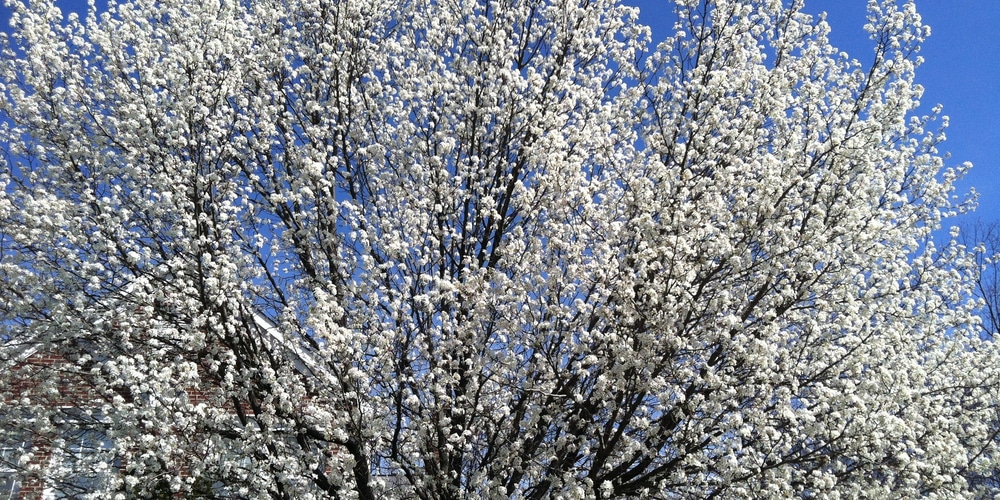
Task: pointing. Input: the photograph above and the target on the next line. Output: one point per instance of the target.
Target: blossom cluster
(481, 249)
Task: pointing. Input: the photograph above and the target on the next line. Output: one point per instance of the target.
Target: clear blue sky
(961, 72)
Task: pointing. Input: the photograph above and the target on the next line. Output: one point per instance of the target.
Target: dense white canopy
(514, 249)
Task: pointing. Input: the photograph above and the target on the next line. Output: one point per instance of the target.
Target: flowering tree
(983, 239)
(506, 249)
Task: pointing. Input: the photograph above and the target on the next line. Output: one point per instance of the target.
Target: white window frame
(13, 444)
(81, 448)
(220, 489)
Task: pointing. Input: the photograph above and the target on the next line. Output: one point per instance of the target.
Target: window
(243, 460)
(13, 445)
(242, 467)
(83, 460)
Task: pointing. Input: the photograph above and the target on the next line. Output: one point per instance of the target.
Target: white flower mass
(388, 249)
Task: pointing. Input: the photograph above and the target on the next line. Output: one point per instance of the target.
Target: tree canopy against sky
(510, 250)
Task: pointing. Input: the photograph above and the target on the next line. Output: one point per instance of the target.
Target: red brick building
(67, 450)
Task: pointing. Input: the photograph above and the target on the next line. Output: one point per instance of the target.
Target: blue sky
(961, 72)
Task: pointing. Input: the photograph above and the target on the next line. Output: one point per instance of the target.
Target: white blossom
(485, 249)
